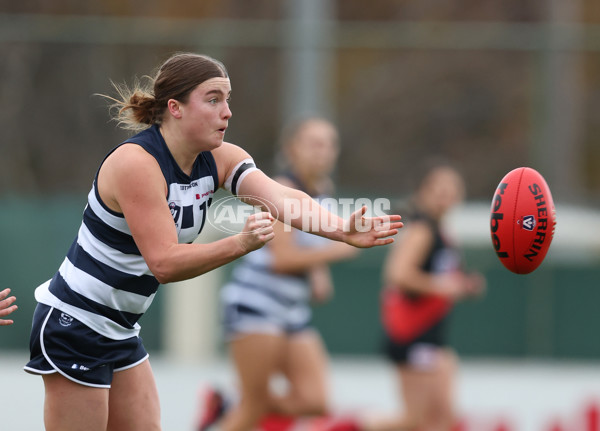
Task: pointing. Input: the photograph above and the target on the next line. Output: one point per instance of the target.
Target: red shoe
(212, 408)
(334, 423)
(274, 422)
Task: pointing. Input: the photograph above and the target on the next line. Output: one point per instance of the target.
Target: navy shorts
(240, 319)
(60, 343)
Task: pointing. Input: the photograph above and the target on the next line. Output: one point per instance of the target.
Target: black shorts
(419, 352)
(60, 343)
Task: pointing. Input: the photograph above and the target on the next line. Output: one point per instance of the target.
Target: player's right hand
(455, 285)
(257, 231)
(6, 306)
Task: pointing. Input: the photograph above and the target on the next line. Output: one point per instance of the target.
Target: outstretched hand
(6, 306)
(365, 232)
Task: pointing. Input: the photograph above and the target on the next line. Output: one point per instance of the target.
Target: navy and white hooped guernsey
(104, 281)
(258, 299)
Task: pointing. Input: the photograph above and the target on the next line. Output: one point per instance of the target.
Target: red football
(523, 220)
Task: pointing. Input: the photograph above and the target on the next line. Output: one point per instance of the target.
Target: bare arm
(291, 206)
(299, 210)
(403, 264)
(131, 182)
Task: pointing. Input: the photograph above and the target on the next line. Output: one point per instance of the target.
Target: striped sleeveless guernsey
(104, 281)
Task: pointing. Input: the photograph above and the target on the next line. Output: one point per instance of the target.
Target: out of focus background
(490, 85)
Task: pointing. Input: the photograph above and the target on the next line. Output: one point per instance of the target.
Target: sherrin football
(523, 220)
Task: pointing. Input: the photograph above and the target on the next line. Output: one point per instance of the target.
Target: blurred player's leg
(442, 413)
(306, 404)
(428, 394)
(257, 357)
(305, 366)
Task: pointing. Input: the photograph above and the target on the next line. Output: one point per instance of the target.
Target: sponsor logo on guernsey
(201, 195)
(188, 186)
(65, 320)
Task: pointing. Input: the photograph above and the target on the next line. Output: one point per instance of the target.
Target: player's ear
(175, 108)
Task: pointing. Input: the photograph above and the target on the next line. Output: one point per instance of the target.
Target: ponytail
(134, 108)
(139, 107)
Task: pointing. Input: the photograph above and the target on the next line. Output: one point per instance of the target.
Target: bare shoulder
(129, 167)
(415, 235)
(230, 152)
(419, 226)
(417, 230)
(129, 157)
(127, 163)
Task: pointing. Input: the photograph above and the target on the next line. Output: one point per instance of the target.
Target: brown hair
(292, 128)
(290, 131)
(144, 105)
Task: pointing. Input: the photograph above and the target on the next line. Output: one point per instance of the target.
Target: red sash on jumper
(405, 318)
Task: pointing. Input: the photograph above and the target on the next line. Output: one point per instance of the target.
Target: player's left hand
(365, 232)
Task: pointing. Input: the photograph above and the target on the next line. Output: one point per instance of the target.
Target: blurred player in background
(266, 304)
(6, 306)
(147, 204)
(423, 278)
